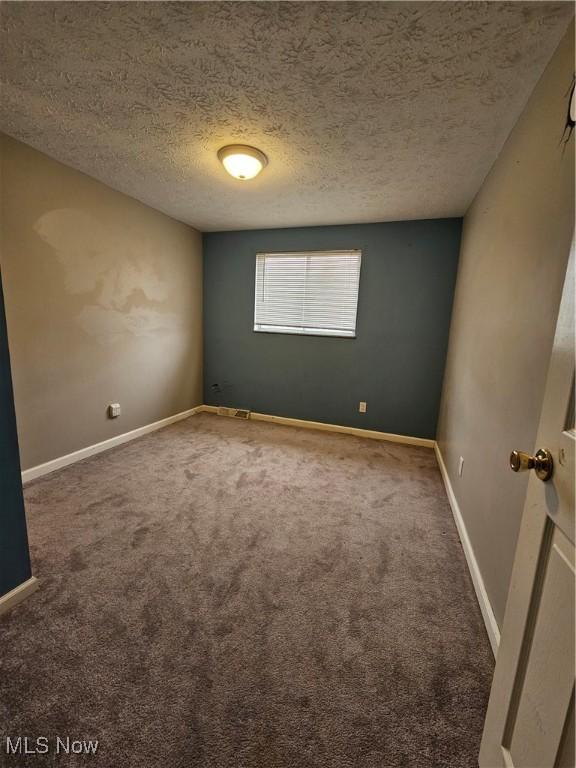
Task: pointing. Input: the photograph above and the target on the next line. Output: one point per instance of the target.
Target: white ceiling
(368, 111)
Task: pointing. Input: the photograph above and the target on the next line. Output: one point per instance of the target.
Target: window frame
(286, 330)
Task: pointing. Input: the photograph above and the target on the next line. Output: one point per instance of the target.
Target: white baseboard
(357, 431)
(91, 450)
(481, 593)
(19, 593)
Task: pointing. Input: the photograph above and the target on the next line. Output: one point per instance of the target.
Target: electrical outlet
(460, 466)
(114, 410)
(362, 407)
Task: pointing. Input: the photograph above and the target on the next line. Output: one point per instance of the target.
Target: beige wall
(515, 246)
(103, 303)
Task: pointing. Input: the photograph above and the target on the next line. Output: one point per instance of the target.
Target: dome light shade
(241, 161)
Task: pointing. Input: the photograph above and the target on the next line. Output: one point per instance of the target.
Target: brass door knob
(541, 463)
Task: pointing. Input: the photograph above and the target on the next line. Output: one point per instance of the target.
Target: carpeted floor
(228, 594)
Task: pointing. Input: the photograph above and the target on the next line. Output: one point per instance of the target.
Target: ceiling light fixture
(241, 161)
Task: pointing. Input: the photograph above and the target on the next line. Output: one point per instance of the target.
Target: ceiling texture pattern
(367, 111)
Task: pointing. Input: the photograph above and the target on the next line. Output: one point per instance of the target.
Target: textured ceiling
(367, 111)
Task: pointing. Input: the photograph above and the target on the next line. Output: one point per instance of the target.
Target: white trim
(19, 593)
(481, 593)
(357, 431)
(91, 450)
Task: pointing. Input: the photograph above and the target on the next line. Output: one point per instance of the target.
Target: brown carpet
(232, 594)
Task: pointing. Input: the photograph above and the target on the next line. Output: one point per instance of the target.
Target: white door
(530, 718)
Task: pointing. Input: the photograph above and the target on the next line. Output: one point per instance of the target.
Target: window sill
(313, 332)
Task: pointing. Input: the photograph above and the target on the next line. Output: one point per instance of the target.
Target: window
(314, 292)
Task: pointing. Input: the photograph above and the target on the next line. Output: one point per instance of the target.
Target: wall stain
(127, 295)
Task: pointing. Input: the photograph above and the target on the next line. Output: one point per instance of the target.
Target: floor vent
(234, 413)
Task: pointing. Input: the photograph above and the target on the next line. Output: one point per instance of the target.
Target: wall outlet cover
(114, 410)
(362, 407)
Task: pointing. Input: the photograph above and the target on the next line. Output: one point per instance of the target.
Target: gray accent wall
(395, 364)
(14, 558)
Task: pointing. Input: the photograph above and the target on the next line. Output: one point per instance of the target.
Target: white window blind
(313, 292)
